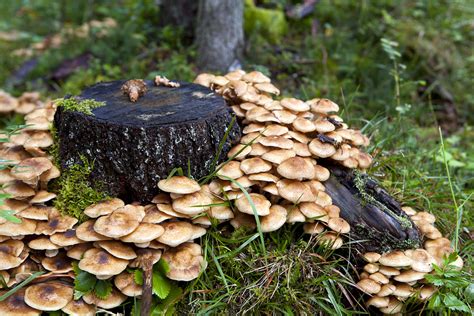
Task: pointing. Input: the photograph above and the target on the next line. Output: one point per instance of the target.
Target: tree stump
(134, 145)
(377, 221)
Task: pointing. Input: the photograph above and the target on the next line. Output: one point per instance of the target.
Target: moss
(85, 106)
(53, 150)
(74, 191)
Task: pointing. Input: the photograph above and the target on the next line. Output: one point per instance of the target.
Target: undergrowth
(74, 191)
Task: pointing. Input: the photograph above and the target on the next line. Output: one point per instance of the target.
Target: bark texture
(377, 221)
(219, 34)
(134, 145)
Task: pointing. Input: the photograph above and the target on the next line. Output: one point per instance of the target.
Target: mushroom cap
(389, 271)
(255, 77)
(117, 249)
(229, 169)
(255, 165)
(408, 210)
(276, 141)
(103, 208)
(262, 205)
(120, 222)
(243, 181)
(268, 88)
(264, 177)
(31, 168)
(422, 260)
(243, 220)
(369, 286)
(239, 151)
(10, 251)
(205, 79)
(58, 264)
(379, 278)
(396, 259)
(15, 305)
(99, 262)
(125, 282)
(176, 233)
(68, 238)
(220, 212)
(304, 125)
(322, 106)
(294, 104)
(76, 251)
(313, 228)
(146, 257)
(295, 191)
(179, 184)
(86, 232)
(79, 307)
(198, 232)
(301, 149)
(50, 296)
(145, 232)
(26, 227)
(403, 290)
(185, 262)
(296, 168)
(331, 240)
(42, 197)
(154, 216)
(427, 291)
(113, 300)
(167, 210)
(15, 205)
(312, 210)
(320, 149)
(18, 190)
(294, 215)
(424, 216)
(55, 224)
(408, 276)
(371, 267)
(371, 257)
(339, 225)
(192, 204)
(378, 301)
(275, 220)
(386, 290)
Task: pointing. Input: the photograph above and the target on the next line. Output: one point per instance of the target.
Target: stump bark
(377, 221)
(134, 145)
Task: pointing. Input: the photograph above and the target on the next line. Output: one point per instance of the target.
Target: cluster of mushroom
(393, 277)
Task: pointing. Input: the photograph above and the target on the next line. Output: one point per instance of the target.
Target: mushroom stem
(147, 288)
(133, 94)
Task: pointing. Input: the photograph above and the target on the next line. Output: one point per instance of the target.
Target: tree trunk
(180, 13)
(219, 34)
(134, 145)
(377, 221)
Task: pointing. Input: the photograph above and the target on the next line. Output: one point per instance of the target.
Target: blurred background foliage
(399, 70)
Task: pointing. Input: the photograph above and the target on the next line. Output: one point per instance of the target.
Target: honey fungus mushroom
(134, 88)
(185, 262)
(48, 296)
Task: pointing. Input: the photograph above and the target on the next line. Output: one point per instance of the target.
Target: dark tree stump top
(159, 106)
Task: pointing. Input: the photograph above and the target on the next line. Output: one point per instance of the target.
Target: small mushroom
(31, 168)
(146, 257)
(58, 264)
(117, 249)
(371, 257)
(185, 262)
(275, 220)
(120, 222)
(77, 251)
(369, 286)
(10, 251)
(134, 88)
(50, 296)
(15, 305)
(192, 204)
(111, 301)
(145, 232)
(179, 185)
(79, 307)
(125, 282)
(176, 233)
(68, 238)
(296, 168)
(163, 81)
(262, 205)
(396, 259)
(100, 262)
(103, 208)
(86, 232)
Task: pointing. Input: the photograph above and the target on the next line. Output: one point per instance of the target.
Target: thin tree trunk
(219, 34)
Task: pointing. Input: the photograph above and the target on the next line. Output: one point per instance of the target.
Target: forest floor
(401, 72)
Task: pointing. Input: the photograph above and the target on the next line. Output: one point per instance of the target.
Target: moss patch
(84, 106)
(74, 191)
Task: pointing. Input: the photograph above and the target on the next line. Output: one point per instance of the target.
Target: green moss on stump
(84, 106)
(74, 191)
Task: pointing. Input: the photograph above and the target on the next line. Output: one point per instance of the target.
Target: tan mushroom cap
(103, 208)
(10, 251)
(396, 259)
(205, 79)
(262, 205)
(15, 205)
(117, 249)
(68, 238)
(323, 106)
(86, 232)
(120, 222)
(320, 149)
(394, 307)
(239, 151)
(294, 215)
(145, 232)
(312, 210)
(145, 257)
(304, 125)
(79, 307)
(422, 260)
(295, 191)
(99, 262)
(50, 174)
(42, 197)
(268, 88)
(31, 168)
(296, 168)
(389, 271)
(427, 291)
(77, 251)
(185, 262)
(243, 220)
(331, 240)
(255, 165)
(369, 286)
(275, 220)
(313, 228)
(38, 212)
(294, 104)
(379, 278)
(42, 243)
(179, 184)
(192, 204)
(371, 257)
(125, 282)
(276, 141)
(264, 177)
(408, 210)
(255, 77)
(339, 225)
(113, 300)
(15, 305)
(56, 224)
(386, 290)
(155, 216)
(26, 227)
(378, 301)
(167, 210)
(176, 233)
(58, 264)
(371, 268)
(18, 190)
(50, 296)
(220, 212)
(409, 276)
(403, 290)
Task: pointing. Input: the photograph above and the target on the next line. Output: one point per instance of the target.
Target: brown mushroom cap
(312, 210)
(378, 301)
(313, 228)
(369, 286)
(50, 296)
(275, 220)
(295, 191)
(243, 220)
(422, 260)
(31, 168)
(79, 307)
(154, 216)
(120, 222)
(185, 262)
(125, 282)
(296, 168)
(26, 227)
(100, 262)
(339, 225)
(18, 190)
(10, 251)
(262, 205)
(389, 271)
(379, 278)
(320, 149)
(239, 151)
(427, 291)
(403, 290)
(55, 224)
(117, 249)
(68, 238)
(42, 197)
(255, 77)
(371, 267)
(331, 240)
(192, 204)
(230, 169)
(294, 104)
(323, 106)
(145, 232)
(408, 210)
(176, 233)
(255, 165)
(113, 300)
(396, 259)
(409, 276)
(145, 257)
(15, 305)
(58, 264)
(179, 185)
(103, 208)
(86, 232)
(371, 257)
(386, 290)
(77, 251)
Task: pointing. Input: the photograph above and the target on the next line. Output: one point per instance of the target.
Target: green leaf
(19, 286)
(162, 266)
(138, 277)
(78, 294)
(84, 282)
(161, 284)
(103, 288)
(453, 303)
(136, 307)
(9, 216)
(166, 307)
